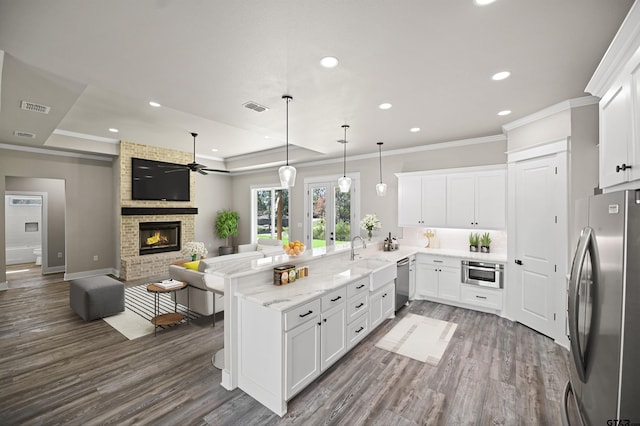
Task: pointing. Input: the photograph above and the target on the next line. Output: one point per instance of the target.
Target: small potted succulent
(474, 239)
(485, 242)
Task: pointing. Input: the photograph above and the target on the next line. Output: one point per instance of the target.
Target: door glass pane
(263, 201)
(281, 203)
(319, 216)
(342, 216)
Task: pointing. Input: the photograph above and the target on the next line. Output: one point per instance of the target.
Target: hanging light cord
(380, 152)
(344, 168)
(288, 98)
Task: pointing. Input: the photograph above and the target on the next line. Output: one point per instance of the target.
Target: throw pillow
(192, 265)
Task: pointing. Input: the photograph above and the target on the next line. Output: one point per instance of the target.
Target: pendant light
(344, 182)
(287, 173)
(381, 188)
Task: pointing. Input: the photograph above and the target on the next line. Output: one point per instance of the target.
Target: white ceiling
(98, 63)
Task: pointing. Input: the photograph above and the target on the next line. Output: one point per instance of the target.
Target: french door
(331, 214)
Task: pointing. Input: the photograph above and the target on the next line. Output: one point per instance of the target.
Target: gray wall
(55, 212)
(213, 193)
(90, 221)
(386, 208)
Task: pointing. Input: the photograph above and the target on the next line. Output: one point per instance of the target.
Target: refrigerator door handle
(574, 288)
(565, 405)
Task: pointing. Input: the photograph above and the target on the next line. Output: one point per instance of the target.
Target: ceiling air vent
(255, 106)
(24, 134)
(31, 106)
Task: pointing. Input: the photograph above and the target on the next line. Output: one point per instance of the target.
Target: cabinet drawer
(301, 314)
(334, 298)
(357, 305)
(489, 298)
(357, 330)
(357, 287)
(453, 262)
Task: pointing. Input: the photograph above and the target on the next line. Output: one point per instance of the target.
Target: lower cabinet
(381, 304)
(282, 352)
(482, 296)
(303, 355)
(437, 277)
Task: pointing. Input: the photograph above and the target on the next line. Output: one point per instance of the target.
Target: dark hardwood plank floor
(57, 369)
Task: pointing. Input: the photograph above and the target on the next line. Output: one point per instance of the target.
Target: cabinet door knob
(518, 262)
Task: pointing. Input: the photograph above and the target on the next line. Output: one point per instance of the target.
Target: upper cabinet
(422, 200)
(460, 198)
(477, 200)
(617, 83)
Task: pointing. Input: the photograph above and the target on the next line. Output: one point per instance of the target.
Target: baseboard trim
(4, 286)
(54, 269)
(86, 274)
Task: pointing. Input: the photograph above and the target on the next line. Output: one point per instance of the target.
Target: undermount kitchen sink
(382, 271)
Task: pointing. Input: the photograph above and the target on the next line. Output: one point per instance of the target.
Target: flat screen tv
(157, 180)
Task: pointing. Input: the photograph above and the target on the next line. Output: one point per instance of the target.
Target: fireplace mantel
(147, 211)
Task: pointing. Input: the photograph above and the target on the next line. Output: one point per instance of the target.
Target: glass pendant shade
(344, 183)
(287, 176)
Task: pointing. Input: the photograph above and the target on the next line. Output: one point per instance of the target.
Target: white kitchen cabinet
(382, 304)
(482, 296)
(477, 200)
(412, 277)
(422, 200)
(302, 355)
(333, 337)
(437, 278)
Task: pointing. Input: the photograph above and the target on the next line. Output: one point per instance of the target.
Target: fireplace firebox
(159, 237)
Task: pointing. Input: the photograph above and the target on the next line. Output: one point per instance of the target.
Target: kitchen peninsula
(278, 339)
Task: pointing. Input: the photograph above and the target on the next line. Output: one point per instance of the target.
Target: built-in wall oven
(483, 273)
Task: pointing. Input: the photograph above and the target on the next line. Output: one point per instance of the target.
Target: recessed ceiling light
(500, 75)
(505, 112)
(154, 104)
(214, 150)
(113, 130)
(329, 62)
(414, 129)
(384, 106)
(483, 2)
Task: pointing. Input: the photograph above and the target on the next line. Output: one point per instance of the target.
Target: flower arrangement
(194, 249)
(370, 223)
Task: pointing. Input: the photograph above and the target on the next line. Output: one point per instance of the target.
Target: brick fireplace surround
(132, 265)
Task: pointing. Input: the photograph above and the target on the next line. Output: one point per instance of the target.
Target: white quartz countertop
(328, 271)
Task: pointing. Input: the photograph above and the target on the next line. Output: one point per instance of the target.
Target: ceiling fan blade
(201, 171)
(216, 170)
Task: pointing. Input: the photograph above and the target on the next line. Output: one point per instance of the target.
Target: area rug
(135, 321)
(421, 338)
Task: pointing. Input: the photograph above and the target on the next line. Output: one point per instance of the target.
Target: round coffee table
(171, 317)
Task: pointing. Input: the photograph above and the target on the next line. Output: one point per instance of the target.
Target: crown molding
(45, 151)
(549, 111)
(623, 46)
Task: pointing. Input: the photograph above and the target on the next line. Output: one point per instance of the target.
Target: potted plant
(485, 242)
(474, 238)
(226, 227)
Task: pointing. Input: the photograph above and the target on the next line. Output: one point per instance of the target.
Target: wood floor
(57, 369)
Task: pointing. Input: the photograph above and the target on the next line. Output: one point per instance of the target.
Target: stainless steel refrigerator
(604, 313)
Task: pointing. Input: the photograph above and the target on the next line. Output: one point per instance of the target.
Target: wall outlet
(299, 224)
(59, 255)
(95, 258)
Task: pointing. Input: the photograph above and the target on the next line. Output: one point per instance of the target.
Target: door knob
(518, 262)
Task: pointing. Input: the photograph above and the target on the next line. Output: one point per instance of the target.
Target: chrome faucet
(353, 251)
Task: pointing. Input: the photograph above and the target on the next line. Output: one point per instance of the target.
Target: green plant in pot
(227, 227)
(485, 242)
(474, 239)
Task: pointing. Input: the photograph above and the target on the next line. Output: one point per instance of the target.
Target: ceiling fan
(200, 168)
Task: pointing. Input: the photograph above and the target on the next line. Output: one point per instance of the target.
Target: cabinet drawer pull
(304, 315)
(337, 298)
(437, 261)
(360, 306)
(359, 287)
(481, 297)
(359, 330)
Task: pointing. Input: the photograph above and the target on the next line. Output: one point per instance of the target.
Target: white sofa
(201, 300)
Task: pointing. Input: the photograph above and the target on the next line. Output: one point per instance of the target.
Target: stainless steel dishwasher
(402, 283)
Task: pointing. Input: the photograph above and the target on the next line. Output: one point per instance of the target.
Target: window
(270, 213)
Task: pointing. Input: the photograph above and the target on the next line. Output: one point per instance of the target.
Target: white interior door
(536, 212)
